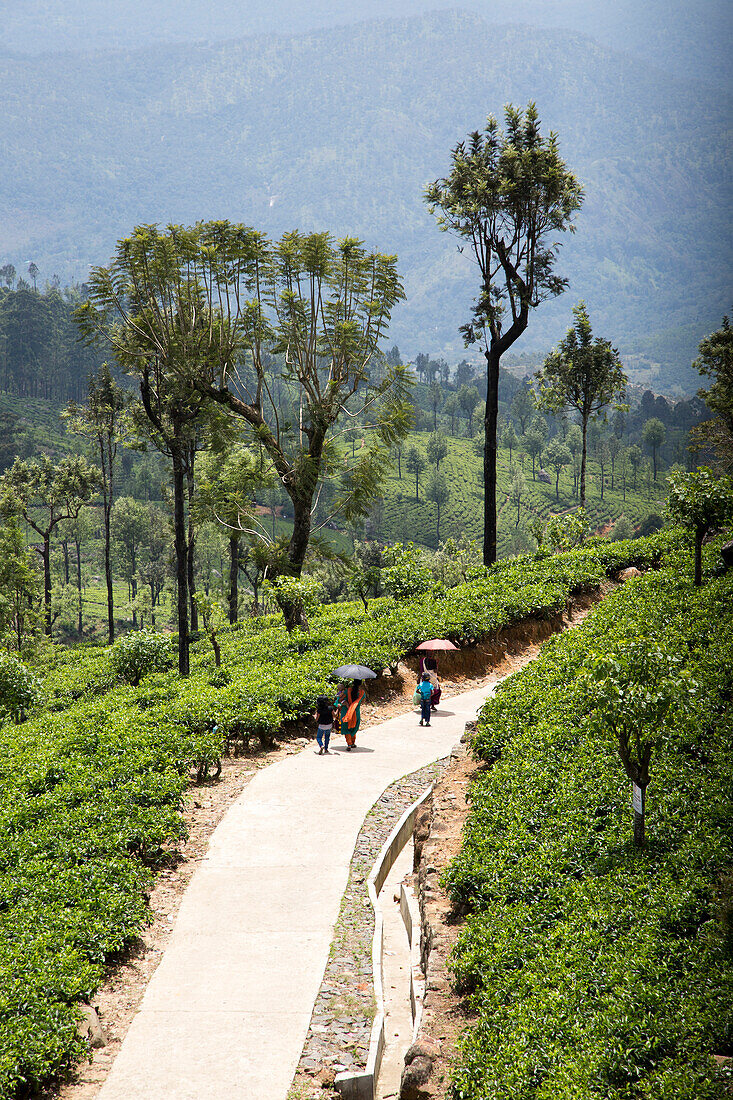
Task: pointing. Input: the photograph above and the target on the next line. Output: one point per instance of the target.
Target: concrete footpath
(226, 1013)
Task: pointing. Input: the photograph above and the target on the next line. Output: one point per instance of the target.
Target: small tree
(19, 689)
(523, 406)
(654, 434)
(129, 528)
(450, 408)
(437, 491)
(213, 618)
(558, 456)
(716, 362)
(508, 195)
(101, 421)
(45, 495)
(533, 442)
(634, 456)
(517, 489)
(19, 588)
(508, 438)
(435, 396)
(583, 374)
(437, 448)
(415, 463)
(614, 449)
(468, 399)
(632, 692)
(700, 501)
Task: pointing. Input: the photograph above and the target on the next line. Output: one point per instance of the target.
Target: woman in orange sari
(351, 713)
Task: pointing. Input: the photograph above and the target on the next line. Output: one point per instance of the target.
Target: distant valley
(342, 128)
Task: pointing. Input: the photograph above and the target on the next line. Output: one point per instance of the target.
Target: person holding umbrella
(350, 709)
(429, 665)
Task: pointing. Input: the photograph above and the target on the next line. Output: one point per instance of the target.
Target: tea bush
(91, 788)
(597, 970)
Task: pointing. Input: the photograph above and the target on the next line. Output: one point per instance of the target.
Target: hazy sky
(692, 37)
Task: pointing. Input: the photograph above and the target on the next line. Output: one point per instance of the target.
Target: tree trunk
(191, 545)
(65, 546)
(557, 486)
(699, 532)
(292, 612)
(582, 463)
(181, 560)
(654, 460)
(493, 356)
(77, 546)
(108, 572)
(133, 596)
(46, 554)
(639, 820)
(233, 578)
(603, 478)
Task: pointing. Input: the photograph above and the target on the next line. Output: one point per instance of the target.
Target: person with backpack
(425, 689)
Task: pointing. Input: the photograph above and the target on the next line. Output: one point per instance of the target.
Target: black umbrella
(354, 672)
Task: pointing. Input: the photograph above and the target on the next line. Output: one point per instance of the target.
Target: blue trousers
(323, 734)
(425, 709)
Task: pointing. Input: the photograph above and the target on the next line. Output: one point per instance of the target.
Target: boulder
(90, 1028)
(419, 1062)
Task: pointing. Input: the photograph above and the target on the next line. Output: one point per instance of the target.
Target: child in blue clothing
(426, 690)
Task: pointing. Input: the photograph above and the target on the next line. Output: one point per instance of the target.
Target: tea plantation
(593, 968)
(406, 518)
(91, 784)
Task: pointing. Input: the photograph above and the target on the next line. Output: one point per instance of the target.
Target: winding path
(226, 1013)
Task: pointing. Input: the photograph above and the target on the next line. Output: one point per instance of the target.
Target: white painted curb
(363, 1085)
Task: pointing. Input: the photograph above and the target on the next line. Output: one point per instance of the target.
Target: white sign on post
(637, 798)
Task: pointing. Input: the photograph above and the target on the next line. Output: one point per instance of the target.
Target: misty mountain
(689, 38)
(342, 129)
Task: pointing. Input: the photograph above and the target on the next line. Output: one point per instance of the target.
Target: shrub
(140, 653)
(20, 690)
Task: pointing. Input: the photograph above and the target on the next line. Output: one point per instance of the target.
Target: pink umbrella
(437, 643)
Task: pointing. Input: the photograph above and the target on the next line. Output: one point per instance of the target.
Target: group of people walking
(344, 715)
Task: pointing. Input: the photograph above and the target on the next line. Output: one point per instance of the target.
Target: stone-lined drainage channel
(340, 1027)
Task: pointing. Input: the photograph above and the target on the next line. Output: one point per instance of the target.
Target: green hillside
(341, 129)
(405, 519)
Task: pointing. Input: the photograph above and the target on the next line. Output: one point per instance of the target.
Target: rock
(422, 1048)
(414, 1077)
(327, 1077)
(627, 574)
(726, 553)
(90, 1028)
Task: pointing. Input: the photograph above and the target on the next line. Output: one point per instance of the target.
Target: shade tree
(653, 435)
(508, 195)
(558, 456)
(47, 494)
(100, 419)
(583, 374)
(700, 501)
(437, 448)
(438, 493)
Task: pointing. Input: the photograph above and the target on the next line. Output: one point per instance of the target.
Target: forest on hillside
(432, 488)
(274, 131)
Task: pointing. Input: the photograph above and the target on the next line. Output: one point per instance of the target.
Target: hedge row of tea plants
(91, 787)
(596, 969)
